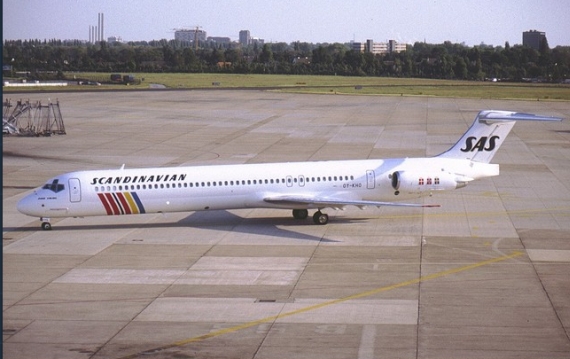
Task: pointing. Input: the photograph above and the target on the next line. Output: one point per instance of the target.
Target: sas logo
(484, 144)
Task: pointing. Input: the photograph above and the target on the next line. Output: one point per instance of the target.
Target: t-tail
(487, 134)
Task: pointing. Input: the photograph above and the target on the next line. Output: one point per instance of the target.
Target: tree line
(422, 60)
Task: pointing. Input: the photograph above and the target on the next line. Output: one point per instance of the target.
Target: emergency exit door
(370, 179)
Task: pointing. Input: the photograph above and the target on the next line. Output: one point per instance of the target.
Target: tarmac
(487, 275)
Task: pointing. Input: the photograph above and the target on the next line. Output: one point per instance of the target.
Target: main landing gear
(319, 217)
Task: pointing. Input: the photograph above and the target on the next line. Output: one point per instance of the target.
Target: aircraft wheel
(46, 226)
(320, 218)
(300, 213)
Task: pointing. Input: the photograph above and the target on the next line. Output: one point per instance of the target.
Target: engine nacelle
(418, 182)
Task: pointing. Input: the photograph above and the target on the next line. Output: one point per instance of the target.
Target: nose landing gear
(46, 226)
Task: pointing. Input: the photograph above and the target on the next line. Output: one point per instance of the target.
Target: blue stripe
(138, 201)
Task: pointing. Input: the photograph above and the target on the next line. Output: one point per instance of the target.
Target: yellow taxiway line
(325, 304)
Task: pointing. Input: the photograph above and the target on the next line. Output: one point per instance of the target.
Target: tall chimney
(102, 27)
(98, 26)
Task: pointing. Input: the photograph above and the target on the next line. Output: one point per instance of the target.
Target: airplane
(297, 186)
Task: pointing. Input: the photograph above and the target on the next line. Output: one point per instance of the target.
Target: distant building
(219, 40)
(256, 40)
(188, 35)
(395, 46)
(113, 39)
(533, 38)
(392, 46)
(244, 37)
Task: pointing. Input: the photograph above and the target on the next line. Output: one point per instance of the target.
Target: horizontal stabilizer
(492, 115)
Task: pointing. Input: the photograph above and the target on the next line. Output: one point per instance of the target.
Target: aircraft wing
(321, 202)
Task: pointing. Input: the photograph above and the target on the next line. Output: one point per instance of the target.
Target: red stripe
(105, 203)
(111, 200)
(124, 203)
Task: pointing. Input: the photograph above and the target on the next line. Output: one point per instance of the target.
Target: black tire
(300, 213)
(46, 226)
(320, 218)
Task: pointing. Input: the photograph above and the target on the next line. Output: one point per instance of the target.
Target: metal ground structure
(32, 119)
(487, 275)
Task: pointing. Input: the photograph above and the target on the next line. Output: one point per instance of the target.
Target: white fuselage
(181, 189)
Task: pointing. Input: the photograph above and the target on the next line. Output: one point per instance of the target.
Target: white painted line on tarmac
(366, 349)
(548, 255)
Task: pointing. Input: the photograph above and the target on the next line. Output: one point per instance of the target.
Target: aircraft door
(370, 179)
(74, 190)
(289, 181)
(302, 181)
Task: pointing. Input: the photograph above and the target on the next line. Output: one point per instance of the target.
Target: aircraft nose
(27, 205)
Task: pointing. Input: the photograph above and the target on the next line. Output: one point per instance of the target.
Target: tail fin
(487, 133)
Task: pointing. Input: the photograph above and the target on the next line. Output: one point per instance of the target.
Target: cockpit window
(55, 186)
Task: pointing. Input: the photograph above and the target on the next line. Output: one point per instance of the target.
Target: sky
(492, 22)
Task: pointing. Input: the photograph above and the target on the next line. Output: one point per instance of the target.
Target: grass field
(332, 84)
